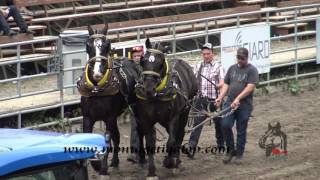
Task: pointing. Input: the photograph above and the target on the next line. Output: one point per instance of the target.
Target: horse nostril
(97, 76)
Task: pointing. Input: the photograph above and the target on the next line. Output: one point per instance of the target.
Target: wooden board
(296, 3)
(16, 38)
(26, 3)
(289, 26)
(175, 18)
(179, 29)
(126, 10)
(251, 2)
(279, 18)
(104, 6)
(32, 27)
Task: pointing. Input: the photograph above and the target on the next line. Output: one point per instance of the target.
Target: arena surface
(300, 120)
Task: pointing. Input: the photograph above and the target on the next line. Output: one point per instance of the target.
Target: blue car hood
(20, 149)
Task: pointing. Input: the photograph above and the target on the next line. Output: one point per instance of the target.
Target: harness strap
(99, 57)
(155, 51)
(94, 36)
(151, 73)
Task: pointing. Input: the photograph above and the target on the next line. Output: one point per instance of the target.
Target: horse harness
(168, 88)
(110, 82)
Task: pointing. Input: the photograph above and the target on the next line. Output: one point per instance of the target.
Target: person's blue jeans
(241, 116)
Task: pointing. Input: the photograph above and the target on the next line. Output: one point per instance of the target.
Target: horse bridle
(106, 76)
(153, 73)
(163, 81)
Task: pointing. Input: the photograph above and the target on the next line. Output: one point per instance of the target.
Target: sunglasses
(242, 58)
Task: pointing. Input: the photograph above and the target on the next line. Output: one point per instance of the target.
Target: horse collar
(164, 81)
(105, 77)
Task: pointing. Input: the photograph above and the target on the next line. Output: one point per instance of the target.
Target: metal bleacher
(22, 93)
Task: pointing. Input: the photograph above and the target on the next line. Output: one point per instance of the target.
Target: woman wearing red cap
(136, 53)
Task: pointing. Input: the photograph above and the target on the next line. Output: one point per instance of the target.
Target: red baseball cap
(137, 49)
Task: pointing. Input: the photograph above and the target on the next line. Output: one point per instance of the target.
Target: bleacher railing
(172, 38)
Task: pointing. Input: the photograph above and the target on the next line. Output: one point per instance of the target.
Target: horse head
(154, 68)
(273, 138)
(98, 49)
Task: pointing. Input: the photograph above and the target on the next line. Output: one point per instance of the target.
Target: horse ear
(167, 50)
(269, 126)
(278, 125)
(90, 30)
(105, 29)
(148, 44)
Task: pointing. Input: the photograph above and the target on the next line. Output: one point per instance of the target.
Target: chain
(211, 115)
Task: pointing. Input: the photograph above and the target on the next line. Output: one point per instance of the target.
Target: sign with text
(255, 38)
(318, 40)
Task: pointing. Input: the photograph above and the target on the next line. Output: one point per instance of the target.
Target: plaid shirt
(212, 71)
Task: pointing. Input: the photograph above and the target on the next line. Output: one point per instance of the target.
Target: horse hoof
(141, 165)
(115, 167)
(175, 171)
(152, 178)
(168, 163)
(104, 177)
(114, 164)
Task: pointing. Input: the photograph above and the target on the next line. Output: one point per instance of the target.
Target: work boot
(10, 33)
(229, 155)
(134, 158)
(27, 31)
(238, 160)
(189, 150)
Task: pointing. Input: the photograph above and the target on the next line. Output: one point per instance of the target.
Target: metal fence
(58, 54)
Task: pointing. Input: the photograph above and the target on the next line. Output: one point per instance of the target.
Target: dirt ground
(300, 120)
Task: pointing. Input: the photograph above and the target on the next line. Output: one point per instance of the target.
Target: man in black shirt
(239, 84)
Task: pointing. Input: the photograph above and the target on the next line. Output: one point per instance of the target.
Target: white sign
(255, 38)
(318, 40)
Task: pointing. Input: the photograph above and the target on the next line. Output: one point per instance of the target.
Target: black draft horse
(164, 91)
(105, 90)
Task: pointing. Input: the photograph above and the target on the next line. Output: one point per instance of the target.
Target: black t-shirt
(238, 78)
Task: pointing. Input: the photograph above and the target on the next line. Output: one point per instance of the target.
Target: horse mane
(190, 87)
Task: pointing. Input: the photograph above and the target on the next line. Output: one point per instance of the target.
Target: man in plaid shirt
(210, 77)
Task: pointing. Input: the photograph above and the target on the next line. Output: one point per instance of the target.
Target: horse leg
(87, 124)
(115, 137)
(169, 161)
(102, 165)
(180, 135)
(151, 146)
(141, 152)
